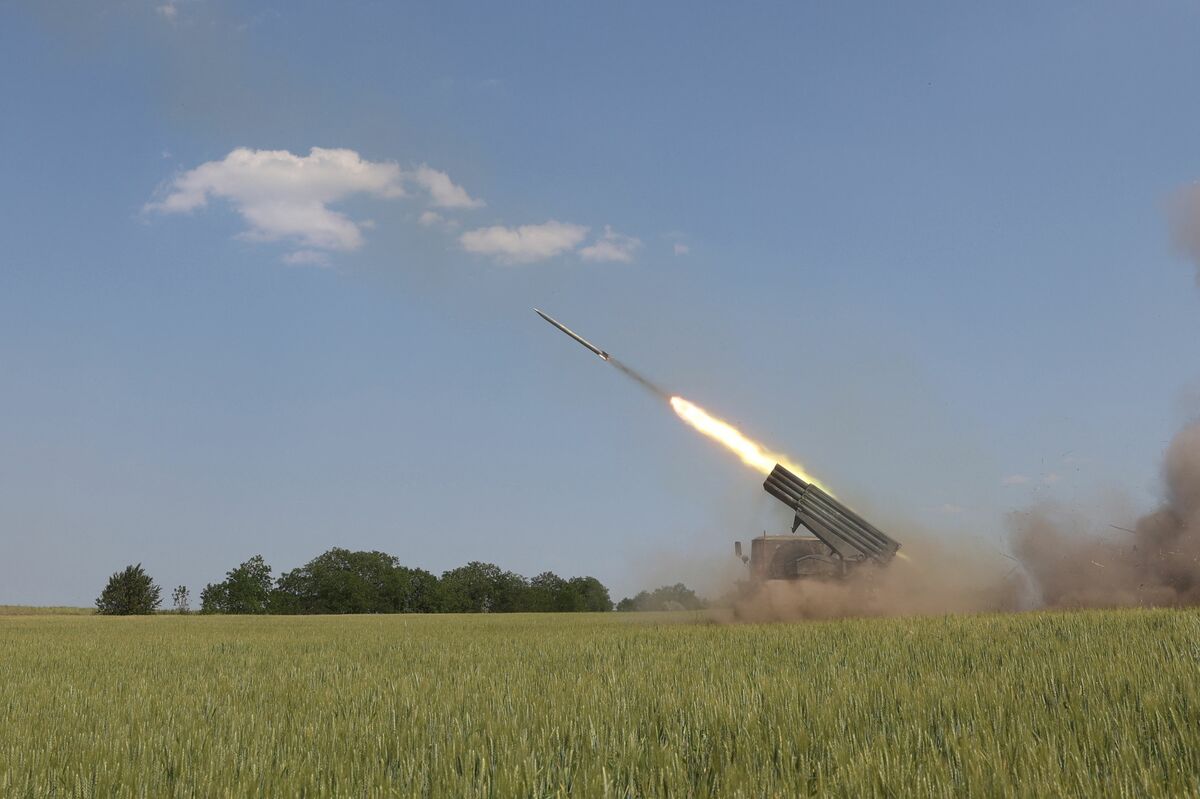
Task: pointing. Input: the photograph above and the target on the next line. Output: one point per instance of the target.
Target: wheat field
(43, 610)
(607, 705)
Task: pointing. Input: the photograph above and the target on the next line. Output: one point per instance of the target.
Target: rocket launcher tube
(841, 529)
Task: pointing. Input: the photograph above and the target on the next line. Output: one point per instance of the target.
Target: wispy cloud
(680, 249)
(611, 246)
(443, 191)
(306, 258)
(526, 243)
(1015, 480)
(432, 219)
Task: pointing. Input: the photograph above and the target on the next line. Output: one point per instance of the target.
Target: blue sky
(925, 250)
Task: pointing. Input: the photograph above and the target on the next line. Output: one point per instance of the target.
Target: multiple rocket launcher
(848, 537)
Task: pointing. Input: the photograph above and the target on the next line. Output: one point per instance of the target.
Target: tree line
(344, 581)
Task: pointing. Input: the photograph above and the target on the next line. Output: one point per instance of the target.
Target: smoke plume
(638, 378)
(1185, 224)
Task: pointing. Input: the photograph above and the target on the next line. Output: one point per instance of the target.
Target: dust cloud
(934, 578)
(1156, 562)
(1059, 560)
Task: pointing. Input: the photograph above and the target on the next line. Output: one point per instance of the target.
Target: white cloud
(168, 11)
(282, 196)
(306, 258)
(612, 246)
(1051, 479)
(1015, 480)
(525, 243)
(951, 509)
(442, 191)
(681, 249)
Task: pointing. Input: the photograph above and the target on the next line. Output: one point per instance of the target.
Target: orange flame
(752, 453)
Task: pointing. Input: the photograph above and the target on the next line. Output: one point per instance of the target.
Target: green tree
(508, 592)
(181, 598)
(481, 588)
(416, 591)
(129, 592)
(246, 589)
(589, 594)
(547, 593)
(343, 581)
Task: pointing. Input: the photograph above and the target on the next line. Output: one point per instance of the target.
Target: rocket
(628, 371)
(595, 350)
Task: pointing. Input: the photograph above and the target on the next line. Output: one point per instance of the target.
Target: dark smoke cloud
(1156, 563)
(1185, 224)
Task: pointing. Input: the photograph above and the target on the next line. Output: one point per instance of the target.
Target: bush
(128, 593)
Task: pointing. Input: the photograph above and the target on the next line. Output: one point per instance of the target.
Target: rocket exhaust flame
(752, 453)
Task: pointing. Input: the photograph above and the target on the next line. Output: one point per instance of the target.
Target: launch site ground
(1098, 703)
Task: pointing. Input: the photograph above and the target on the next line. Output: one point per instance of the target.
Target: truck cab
(790, 557)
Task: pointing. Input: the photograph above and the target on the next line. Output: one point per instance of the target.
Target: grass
(1048, 704)
(42, 610)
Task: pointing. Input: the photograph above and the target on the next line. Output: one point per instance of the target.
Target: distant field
(36, 610)
(1085, 704)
